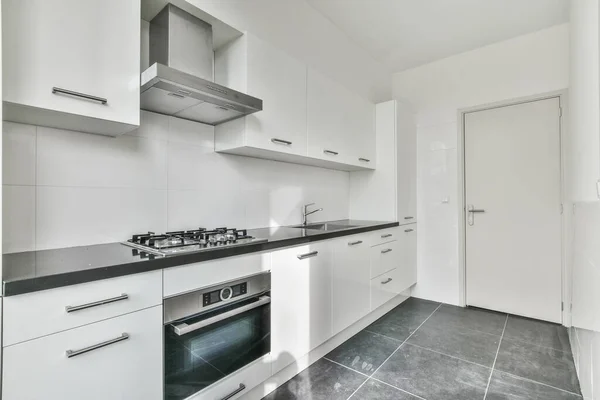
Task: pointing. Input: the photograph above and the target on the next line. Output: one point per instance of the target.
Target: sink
(325, 226)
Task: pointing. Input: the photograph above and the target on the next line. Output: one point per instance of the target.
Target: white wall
(64, 188)
(305, 34)
(584, 96)
(523, 66)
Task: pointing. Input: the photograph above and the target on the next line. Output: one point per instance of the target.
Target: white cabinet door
(407, 274)
(361, 122)
(301, 280)
(90, 47)
(384, 288)
(328, 110)
(123, 369)
(406, 139)
(255, 67)
(280, 81)
(386, 257)
(351, 277)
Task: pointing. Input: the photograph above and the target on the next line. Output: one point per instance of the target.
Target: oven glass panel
(200, 358)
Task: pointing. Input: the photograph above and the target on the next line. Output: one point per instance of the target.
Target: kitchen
(283, 211)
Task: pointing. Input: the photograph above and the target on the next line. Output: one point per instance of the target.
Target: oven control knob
(226, 293)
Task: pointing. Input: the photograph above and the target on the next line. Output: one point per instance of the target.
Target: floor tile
(364, 352)
(538, 332)
(434, 376)
(373, 390)
(475, 319)
(508, 387)
(541, 364)
(323, 380)
(403, 320)
(474, 346)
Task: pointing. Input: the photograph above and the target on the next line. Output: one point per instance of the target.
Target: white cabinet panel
(351, 277)
(301, 280)
(261, 70)
(408, 266)
(123, 370)
(385, 257)
(361, 115)
(406, 139)
(33, 315)
(384, 288)
(384, 236)
(90, 47)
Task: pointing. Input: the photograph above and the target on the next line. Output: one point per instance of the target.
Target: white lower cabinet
(385, 257)
(117, 359)
(301, 281)
(385, 287)
(408, 272)
(351, 276)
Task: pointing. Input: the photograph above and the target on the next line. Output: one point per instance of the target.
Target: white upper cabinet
(341, 124)
(72, 64)
(253, 66)
(406, 153)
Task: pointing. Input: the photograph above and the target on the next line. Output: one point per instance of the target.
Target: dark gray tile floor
(433, 351)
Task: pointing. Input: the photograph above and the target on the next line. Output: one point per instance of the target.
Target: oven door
(203, 349)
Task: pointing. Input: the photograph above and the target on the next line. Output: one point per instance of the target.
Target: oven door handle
(183, 328)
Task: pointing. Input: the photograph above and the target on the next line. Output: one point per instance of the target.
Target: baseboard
(292, 370)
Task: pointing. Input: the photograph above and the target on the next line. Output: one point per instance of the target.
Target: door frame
(562, 95)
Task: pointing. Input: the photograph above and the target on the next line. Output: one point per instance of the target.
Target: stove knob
(231, 237)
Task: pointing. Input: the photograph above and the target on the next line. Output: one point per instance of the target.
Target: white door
(512, 181)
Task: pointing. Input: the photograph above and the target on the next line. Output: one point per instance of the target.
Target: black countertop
(46, 269)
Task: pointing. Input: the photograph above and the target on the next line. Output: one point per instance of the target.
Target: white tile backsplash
(88, 189)
(18, 218)
(18, 161)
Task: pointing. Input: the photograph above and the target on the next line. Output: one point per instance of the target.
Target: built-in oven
(213, 332)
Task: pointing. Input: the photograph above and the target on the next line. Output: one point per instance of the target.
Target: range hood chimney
(179, 81)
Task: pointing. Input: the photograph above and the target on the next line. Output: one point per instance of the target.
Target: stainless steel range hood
(179, 81)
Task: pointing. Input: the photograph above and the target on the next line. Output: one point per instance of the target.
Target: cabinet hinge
(562, 306)
(560, 112)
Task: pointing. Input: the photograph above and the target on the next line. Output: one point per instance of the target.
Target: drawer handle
(73, 353)
(385, 251)
(388, 280)
(409, 217)
(408, 230)
(241, 388)
(387, 235)
(281, 141)
(330, 152)
(101, 100)
(354, 243)
(364, 159)
(71, 309)
(307, 255)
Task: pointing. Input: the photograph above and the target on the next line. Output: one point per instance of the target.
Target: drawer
(129, 368)
(385, 257)
(384, 288)
(250, 376)
(384, 236)
(190, 277)
(33, 315)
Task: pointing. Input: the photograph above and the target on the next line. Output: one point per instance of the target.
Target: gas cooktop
(172, 243)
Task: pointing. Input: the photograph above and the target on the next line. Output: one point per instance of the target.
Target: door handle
(472, 211)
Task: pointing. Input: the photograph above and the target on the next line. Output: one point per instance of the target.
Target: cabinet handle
(281, 141)
(408, 217)
(236, 391)
(388, 280)
(77, 94)
(307, 255)
(71, 309)
(330, 152)
(408, 230)
(387, 235)
(354, 243)
(73, 353)
(385, 251)
(364, 159)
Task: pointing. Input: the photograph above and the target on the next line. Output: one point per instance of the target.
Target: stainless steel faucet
(306, 213)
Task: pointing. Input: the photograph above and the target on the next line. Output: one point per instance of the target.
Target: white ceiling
(403, 34)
